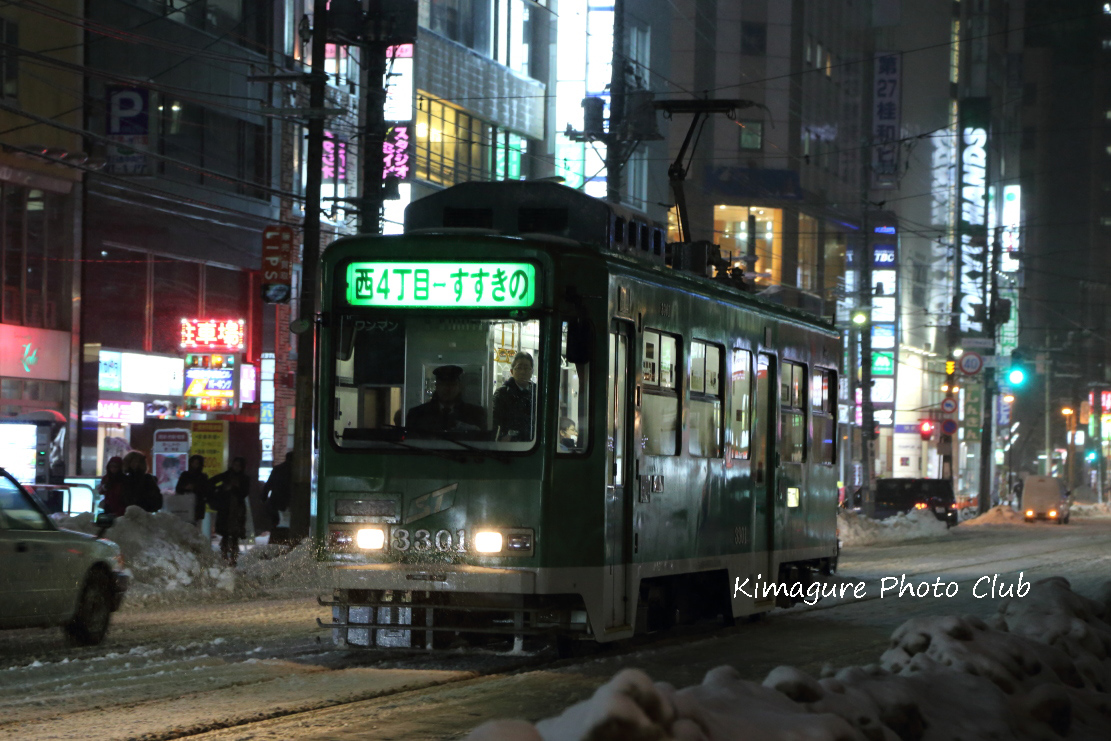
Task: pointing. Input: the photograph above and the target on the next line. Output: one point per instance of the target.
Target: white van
(1045, 498)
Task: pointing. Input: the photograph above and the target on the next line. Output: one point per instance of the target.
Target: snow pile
(1002, 514)
(171, 560)
(269, 567)
(1041, 669)
(857, 529)
(1090, 510)
(164, 553)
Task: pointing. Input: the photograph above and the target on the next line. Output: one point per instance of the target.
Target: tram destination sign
(442, 285)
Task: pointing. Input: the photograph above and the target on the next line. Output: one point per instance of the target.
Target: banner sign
(972, 232)
(277, 256)
(886, 119)
(128, 128)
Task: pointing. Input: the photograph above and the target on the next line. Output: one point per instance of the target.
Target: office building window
(754, 38)
(9, 58)
(451, 146)
(752, 134)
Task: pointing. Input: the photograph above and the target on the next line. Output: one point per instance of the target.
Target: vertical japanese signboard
(972, 230)
(886, 119)
(210, 439)
(277, 257)
(128, 130)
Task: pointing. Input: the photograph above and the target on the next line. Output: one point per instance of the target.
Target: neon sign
(213, 334)
(395, 152)
(446, 285)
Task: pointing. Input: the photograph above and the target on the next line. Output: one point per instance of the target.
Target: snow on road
(196, 656)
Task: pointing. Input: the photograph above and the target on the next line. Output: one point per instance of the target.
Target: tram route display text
(995, 586)
(441, 285)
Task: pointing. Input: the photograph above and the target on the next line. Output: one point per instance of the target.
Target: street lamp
(1070, 420)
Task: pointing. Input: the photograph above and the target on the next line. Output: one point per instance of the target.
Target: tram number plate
(442, 541)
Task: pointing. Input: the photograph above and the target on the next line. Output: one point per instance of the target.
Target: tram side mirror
(345, 338)
(580, 341)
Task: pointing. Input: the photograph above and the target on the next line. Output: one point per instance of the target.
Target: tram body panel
(617, 513)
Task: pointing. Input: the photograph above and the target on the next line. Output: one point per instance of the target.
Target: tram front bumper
(434, 578)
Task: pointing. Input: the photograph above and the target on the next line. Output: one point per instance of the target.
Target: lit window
(752, 134)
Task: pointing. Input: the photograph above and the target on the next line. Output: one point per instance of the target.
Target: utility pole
(987, 441)
(310, 258)
(1048, 411)
(615, 147)
(867, 410)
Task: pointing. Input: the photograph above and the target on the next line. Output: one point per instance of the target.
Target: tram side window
(659, 413)
(573, 420)
(792, 400)
(706, 390)
(740, 405)
(825, 424)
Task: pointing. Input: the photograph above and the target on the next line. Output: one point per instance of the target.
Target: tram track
(457, 675)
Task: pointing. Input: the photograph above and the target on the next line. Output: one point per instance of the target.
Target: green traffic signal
(1016, 376)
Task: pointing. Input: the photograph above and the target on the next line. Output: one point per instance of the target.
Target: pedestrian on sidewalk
(139, 487)
(229, 495)
(277, 493)
(195, 481)
(111, 487)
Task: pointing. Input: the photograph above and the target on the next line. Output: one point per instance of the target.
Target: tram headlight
(370, 538)
(488, 541)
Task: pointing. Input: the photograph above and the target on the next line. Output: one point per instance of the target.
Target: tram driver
(446, 411)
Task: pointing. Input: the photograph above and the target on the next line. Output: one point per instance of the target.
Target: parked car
(896, 496)
(52, 577)
(1045, 498)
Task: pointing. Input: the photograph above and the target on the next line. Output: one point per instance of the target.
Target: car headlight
(1029, 513)
(1052, 513)
(370, 538)
(488, 541)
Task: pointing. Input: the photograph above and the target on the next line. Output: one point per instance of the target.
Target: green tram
(671, 437)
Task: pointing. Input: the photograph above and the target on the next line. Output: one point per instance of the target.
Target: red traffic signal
(926, 428)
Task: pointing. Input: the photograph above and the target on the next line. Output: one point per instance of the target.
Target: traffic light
(926, 428)
(1018, 371)
(1091, 456)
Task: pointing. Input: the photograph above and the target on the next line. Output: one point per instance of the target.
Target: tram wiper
(453, 457)
(480, 452)
(395, 435)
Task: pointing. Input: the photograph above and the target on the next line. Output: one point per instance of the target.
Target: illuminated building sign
(1010, 219)
(213, 334)
(139, 373)
(399, 83)
(447, 285)
(248, 380)
(41, 354)
(123, 412)
(971, 224)
(210, 382)
(396, 152)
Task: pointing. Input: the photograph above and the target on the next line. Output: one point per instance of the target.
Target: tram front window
(436, 383)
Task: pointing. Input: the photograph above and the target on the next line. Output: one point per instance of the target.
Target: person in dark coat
(229, 495)
(111, 487)
(139, 487)
(446, 411)
(278, 490)
(195, 481)
(513, 402)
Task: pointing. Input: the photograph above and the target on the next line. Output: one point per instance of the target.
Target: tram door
(766, 463)
(617, 463)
